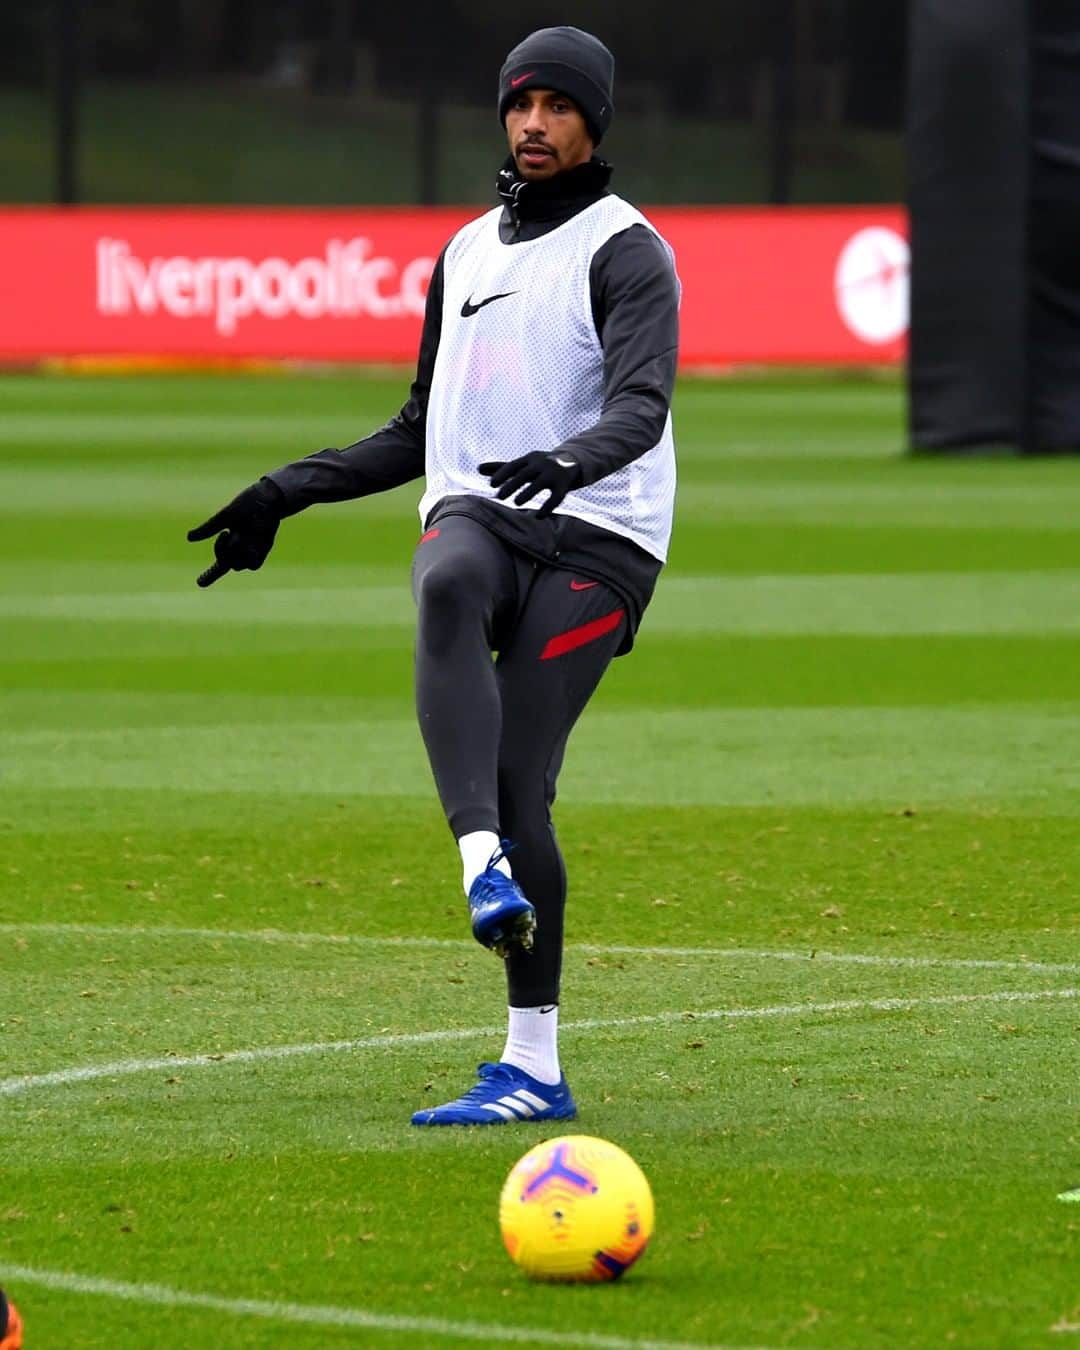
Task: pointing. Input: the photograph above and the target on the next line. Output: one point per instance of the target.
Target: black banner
(968, 131)
(1053, 336)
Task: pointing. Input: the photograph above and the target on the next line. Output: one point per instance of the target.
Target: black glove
(245, 531)
(554, 472)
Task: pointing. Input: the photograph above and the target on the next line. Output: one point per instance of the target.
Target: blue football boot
(504, 1093)
(501, 915)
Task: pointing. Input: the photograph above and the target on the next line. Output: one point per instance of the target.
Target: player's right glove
(245, 531)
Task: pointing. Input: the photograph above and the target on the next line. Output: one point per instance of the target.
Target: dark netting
(343, 101)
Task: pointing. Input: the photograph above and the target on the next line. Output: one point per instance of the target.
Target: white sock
(476, 850)
(532, 1041)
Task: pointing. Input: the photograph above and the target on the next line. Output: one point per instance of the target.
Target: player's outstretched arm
(244, 530)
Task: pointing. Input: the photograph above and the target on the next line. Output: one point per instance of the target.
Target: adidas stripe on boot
(504, 1093)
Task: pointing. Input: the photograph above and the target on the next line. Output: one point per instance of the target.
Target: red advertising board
(784, 285)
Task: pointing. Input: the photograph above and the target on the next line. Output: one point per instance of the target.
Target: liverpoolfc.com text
(347, 281)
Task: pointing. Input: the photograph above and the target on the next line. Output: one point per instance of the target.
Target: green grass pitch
(823, 834)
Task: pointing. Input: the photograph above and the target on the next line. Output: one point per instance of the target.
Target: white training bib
(520, 368)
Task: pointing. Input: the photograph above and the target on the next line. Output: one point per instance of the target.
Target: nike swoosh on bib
(468, 309)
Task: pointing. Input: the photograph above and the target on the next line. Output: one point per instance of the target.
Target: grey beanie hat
(566, 59)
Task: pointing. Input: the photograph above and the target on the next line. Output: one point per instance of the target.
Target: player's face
(547, 133)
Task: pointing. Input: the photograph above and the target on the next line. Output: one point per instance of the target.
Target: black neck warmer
(553, 198)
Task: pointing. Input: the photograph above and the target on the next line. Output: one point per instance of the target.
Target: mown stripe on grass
(302, 1314)
(870, 604)
(62, 576)
(837, 756)
(864, 604)
(53, 491)
(10, 1087)
(149, 429)
(1050, 505)
(322, 607)
(168, 933)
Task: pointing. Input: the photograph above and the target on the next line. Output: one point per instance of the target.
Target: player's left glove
(552, 471)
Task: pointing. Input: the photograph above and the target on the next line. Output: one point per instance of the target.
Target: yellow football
(576, 1208)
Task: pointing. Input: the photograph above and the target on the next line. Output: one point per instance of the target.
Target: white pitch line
(272, 935)
(10, 1087)
(845, 958)
(166, 932)
(303, 1314)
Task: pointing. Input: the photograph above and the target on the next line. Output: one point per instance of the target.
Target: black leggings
(496, 731)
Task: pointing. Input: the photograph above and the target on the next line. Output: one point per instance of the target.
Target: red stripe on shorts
(578, 637)
(429, 534)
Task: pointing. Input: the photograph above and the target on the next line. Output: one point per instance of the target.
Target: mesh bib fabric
(520, 367)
